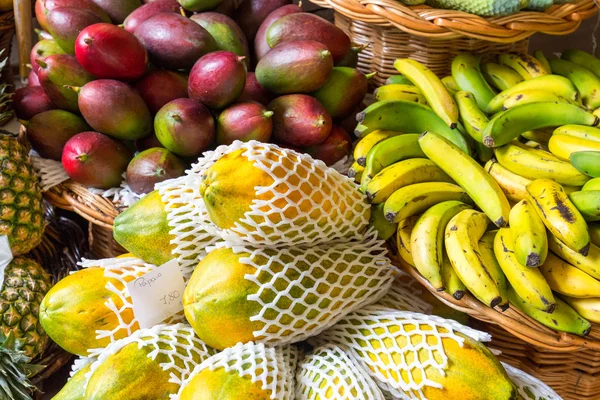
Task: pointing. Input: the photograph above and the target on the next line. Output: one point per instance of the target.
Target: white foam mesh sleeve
(405, 295)
(51, 172)
(530, 388)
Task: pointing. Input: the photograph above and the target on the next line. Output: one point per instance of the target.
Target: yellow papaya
(219, 384)
(74, 389)
(267, 194)
(143, 230)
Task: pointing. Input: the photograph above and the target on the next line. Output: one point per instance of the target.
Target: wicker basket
(434, 36)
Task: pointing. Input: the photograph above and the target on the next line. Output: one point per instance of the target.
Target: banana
(531, 164)
(524, 64)
(559, 215)
(398, 79)
(364, 145)
(488, 257)
(512, 185)
(562, 146)
(534, 96)
(468, 77)
(403, 173)
(582, 59)
(587, 308)
(529, 233)
(589, 264)
(432, 87)
(579, 131)
(558, 85)
(529, 283)
(400, 92)
(450, 84)
(480, 186)
(565, 279)
(536, 148)
(427, 240)
(406, 116)
(587, 162)
(384, 228)
(355, 172)
(473, 119)
(563, 319)
(594, 230)
(586, 82)
(403, 234)
(534, 145)
(484, 153)
(541, 57)
(500, 76)
(462, 235)
(539, 135)
(452, 283)
(509, 124)
(414, 199)
(388, 152)
(588, 204)
(592, 184)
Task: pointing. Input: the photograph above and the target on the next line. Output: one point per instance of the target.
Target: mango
(226, 32)
(74, 389)
(342, 92)
(58, 71)
(245, 122)
(153, 166)
(302, 66)
(208, 384)
(43, 7)
(160, 86)
(143, 230)
(174, 41)
(305, 26)
(30, 101)
(148, 10)
(254, 92)
(261, 47)
(199, 5)
(337, 146)
(351, 58)
(251, 13)
(65, 24)
(41, 50)
(300, 120)
(118, 10)
(147, 142)
(33, 79)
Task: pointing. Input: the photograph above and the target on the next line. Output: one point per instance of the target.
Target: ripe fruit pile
(171, 87)
(521, 230)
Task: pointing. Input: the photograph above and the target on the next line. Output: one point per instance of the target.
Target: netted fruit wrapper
(272, 368)
(405, 294)
(329, 373)
(530, 388)
(396, 346)
(292, 199)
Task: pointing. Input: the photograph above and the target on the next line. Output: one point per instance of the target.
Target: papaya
(143, 230)
(343, 91)
(226, 32)
(229, 385)
(74, 389)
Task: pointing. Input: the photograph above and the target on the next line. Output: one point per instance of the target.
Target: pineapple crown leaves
(14, 370)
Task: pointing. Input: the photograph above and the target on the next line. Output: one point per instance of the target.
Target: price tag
(158, 294)
(5, 256)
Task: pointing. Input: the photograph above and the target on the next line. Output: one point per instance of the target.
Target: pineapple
(14, 383)
(25, 285)
(21, 210)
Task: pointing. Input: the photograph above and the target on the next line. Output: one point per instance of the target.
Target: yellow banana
(427, 240)
(531, 164)
(541, 57)
(533, 96)
(403, 234)
(512, 185)
(583, 59)
(384, 228)
(562, 146)
(355, 172)
(488, 257)
(364, 145)
(452, 283)
(579, 131)
(524, 64)
(529, 233)
(559, 215)
(480, 186)
(499, 76)
(471, 116)
(587, 83)
(462, 235)
(589, 264)
(594, 230)
(529, 283)
(592, 184)
(587, 308)
(539, 135)
(432, 87)
(403, 173)
(536, 148)
(468, 77)
(565, 279)
(400, 92)
(588, 204)
(450, 84)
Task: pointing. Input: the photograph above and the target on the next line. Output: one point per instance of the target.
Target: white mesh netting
(177, 343)
(273, 367)
(393, 346)
(405, 295)
(79, 363)
(307, 203)
(328, 373)
(122, 195)
(309, 289)
(530, 388)
(51, 172)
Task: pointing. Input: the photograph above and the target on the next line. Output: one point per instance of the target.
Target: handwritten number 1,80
(170, 297)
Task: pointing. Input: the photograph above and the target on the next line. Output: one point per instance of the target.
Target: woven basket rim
(440, 24)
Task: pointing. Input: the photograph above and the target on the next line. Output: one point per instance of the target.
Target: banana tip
(360, 117)
(587, 331)
(495, 302)
(550, 309)
(500, 222)
(488, 141)
(504, 307)
(596, 121)
(459, 294)
(362, 161)
(584, 252)
(390, 216)
(533, 260)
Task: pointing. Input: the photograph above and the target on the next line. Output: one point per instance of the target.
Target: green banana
(529, 283)
(525, 65)
(587, 162)
(414, 199)
(403, 173)
(592, 184)
(450, 84)
(465, 171)
(468, 77)
(500, 76)
(588, 204)
(563, 319)
(427, 240)
(533, 164)
(463, 233)
(509, 124)
(398, 79)
(565, 279)
(484, 153)
(594, 231)
(529, 233)
(388, 152)
(539, 135)
(586, 82)
(403, 234)
(541, 57)
(355, 172)
(473, 119)
(589, 264)
(400, 92)
(489, 260)
(406, 116)
(384, 228)
(586, 308)
(534, 96)
(432, 87)
(513, 185)
(452, 283)
(559, 214)
(364, 145)
(583, 59)
(558, 85)
(579, 131)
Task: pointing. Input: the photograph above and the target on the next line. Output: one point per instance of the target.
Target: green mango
(343, 91)
(226, 32)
